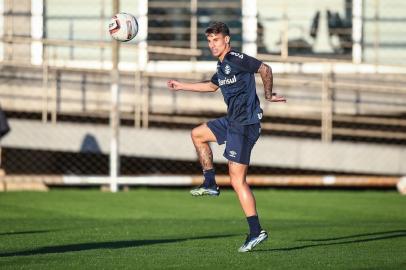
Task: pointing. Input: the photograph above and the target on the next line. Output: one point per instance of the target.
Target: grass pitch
(169, 229)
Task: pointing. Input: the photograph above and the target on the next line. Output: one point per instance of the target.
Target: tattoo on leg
(205, 156)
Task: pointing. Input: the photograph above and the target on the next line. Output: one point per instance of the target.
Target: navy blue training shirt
(235, 77)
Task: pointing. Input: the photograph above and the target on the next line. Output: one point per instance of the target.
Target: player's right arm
(205, 86)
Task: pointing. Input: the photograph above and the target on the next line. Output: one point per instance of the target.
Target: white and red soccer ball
(123, 27)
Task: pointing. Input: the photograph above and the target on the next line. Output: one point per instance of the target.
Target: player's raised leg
(238, 174)
(201, 136)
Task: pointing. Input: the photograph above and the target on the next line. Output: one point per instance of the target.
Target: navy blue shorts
(239, 139)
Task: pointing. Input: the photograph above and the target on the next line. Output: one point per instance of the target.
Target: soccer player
(239, 129)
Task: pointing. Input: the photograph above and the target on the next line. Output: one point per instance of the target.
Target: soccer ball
(401, 185)
(123, 27)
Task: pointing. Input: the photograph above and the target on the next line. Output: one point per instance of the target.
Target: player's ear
(227, 39)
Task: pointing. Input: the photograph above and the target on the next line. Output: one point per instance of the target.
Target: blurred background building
(340, 63)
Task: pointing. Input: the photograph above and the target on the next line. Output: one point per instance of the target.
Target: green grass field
(169, 229)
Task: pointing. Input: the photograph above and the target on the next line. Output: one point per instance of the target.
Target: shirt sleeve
(245, 62)
(214, 79)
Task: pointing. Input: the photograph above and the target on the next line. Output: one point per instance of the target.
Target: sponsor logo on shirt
(227, 69)
(241, 56)
(227, 81)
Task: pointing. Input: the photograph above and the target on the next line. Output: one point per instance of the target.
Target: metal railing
(322, 104)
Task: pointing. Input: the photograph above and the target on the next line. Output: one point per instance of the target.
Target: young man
(240, 129)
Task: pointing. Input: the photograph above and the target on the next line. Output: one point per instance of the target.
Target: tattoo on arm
(267, 80)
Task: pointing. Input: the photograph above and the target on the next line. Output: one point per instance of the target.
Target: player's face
(218, 44)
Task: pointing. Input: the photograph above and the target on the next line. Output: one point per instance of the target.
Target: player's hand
(174, 85)
(276, 98)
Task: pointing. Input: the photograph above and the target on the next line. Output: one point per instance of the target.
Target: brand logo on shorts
(227, 69)
(232, 154)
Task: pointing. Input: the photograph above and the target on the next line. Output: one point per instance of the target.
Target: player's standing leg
(238, 174)
(201, 136)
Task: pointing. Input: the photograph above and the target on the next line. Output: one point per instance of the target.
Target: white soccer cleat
(252, 242)
(203, 191)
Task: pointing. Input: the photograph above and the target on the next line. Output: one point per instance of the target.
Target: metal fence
(328, 107)
(56, 89)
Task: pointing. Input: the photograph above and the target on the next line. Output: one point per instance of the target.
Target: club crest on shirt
(227, 69)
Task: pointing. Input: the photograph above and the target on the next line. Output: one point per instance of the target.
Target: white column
(1, 53)
(115, 109)
(114, 128)
(37, 20)
(142, 34)
(357, 31)
(1, 29)
(249, 27)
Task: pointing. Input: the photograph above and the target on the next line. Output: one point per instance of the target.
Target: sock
(255, 227)
(209, 178)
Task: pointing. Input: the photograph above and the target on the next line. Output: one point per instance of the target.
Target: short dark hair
(218, 28)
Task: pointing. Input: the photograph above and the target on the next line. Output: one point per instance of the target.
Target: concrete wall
(384, 37)
(385, 31)
(176, 144)
(17, 22)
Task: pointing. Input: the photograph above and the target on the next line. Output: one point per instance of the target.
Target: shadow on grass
(333, 241)
(106, 245)
(355, 236)
(26, 232)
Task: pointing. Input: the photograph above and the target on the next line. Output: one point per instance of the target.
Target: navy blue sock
(255, 227)
(209, 178)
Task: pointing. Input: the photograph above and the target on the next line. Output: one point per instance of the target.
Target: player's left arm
(253, 65)
(267, 79)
